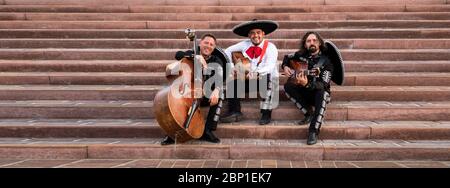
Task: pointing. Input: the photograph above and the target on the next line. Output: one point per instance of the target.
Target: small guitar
(302, 66)
(241, 64)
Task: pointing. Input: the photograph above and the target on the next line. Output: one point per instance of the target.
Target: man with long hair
(309, 90)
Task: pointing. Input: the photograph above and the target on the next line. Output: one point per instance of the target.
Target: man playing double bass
(213, 64)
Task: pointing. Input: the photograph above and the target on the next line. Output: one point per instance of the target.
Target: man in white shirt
(262, 56)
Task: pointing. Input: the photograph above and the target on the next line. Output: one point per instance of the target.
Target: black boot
(211, 124)
(213, 127)
(306, 120)
(167, 141)
(266, 117)
(209, 136)
(312, 138)
(231, 117)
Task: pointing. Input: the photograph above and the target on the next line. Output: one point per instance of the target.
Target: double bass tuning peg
(190, 34)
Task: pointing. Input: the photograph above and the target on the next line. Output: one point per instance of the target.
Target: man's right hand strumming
(288, 71)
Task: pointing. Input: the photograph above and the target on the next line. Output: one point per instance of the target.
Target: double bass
(176, 107)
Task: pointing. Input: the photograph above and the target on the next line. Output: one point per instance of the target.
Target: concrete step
(225, 3)
(149, 128)
(158, 78)
(177, 16)
(350, 24)
(337, 110)
(223, 43)
(168, 54)
(366, 8)
(287, 149)
(159, 66)
(340, 33)
(148, 92)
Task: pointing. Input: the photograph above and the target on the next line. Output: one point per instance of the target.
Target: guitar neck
(307, 72)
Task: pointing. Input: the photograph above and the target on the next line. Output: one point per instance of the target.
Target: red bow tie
(254, 52)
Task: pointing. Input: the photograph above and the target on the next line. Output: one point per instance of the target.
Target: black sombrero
(267, 26)
(336, 58)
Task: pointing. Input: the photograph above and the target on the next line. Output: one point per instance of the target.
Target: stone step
(148, 92)
(168, 54)
(159, 66)
(93, 65)
(78, 92)
(83, 78)
(177, 16)
(223, 43)
(396, 79)
(225, 2)
(76, 109)
(337, 110)
(158, 78)
(149, 128)
(287, 149)
(366, 8)
(350, 24)
(340, 33)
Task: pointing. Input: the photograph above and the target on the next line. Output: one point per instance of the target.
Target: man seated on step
(311, 89)
(212, 64)
(261, 74)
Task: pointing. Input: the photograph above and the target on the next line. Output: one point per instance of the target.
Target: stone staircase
(78, 78)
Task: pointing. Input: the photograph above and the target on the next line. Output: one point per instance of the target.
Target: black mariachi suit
(316, 93)
(214, 111)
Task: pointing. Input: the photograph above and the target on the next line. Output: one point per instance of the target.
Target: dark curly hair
(303, 49)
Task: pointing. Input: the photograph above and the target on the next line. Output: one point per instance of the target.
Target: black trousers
(304, 99)
(213, 114)
(234, 101)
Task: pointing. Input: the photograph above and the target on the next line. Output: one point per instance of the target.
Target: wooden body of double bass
(171, 111)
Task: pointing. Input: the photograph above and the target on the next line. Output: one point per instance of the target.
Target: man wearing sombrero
(262, 56)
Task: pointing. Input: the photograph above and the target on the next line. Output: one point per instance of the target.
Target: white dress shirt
(268, 63)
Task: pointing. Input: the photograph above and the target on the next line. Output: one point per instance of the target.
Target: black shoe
(312, 138)
(167, 141)
(306, 120)
(266, 117)
(231, 117)
(210, 137)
